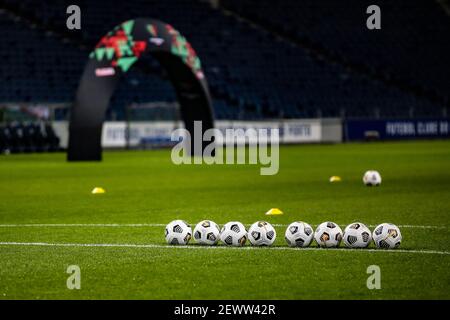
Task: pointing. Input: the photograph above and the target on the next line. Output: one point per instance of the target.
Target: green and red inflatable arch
(113, 56)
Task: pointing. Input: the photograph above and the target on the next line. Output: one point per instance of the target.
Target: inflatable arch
(113, 56)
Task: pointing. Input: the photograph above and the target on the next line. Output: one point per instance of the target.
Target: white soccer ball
(387, 236)
(357, 235)
(207, 232)
(233, 234)
(299, 234)
(328, 235)
(262, 233)
(178, 232)
(372, 178)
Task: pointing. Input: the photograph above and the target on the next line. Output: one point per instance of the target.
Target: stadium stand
(28, 137)
(260, 63)
(412, 46)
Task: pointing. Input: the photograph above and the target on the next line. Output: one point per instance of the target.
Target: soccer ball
(299, 234)
(207, 232)
(233, 234)
(328, 235)
(357, 235)
(178, 232)
(372, 178)
(261, 233)
(387, 236)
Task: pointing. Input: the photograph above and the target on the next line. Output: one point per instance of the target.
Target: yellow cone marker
(274, 212)
(335, 179)
(98, 190)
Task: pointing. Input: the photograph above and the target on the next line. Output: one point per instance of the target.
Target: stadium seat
(251, 73)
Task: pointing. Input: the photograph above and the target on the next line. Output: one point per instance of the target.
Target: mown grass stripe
(159, 246)
(122, 225)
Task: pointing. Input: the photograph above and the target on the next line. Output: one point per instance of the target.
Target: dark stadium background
(298, 59)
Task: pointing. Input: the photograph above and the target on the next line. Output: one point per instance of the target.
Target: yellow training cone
(274, 212)
(335, 179)
(98, 190)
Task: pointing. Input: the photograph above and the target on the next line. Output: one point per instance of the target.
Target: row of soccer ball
(298, 234)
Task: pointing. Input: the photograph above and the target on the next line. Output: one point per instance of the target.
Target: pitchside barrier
(396, 129)
(158, 133)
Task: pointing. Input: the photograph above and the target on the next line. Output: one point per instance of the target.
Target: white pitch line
(124, 225)
(415, 226)
(158, 246)
(63, 225)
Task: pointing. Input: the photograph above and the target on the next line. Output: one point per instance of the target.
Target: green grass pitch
(144, 187)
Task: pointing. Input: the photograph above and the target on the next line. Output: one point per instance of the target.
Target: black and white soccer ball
(357, 235)
(261, 233)
(233, 234)
(207, 232)
(387, 236)
(328, 235)
(178, 232)
(372, 178)
(299, 234)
